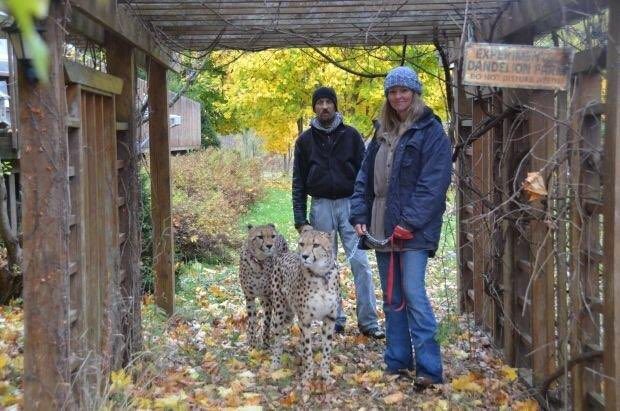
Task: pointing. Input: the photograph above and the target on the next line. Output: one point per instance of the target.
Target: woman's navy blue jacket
(422, 169)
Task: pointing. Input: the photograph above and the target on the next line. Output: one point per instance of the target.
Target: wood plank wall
(611, 202)
(535, 280)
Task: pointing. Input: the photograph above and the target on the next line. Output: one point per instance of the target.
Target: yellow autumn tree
(270, 91)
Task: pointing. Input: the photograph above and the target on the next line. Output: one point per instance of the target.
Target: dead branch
(586, 357)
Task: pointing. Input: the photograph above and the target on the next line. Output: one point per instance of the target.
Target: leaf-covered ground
(199, 360)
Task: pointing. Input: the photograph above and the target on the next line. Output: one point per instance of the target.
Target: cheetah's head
(316, 250)
(261, 240)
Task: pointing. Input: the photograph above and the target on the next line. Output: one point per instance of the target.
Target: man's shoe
(339, 329)
(403, 374)
(375, 333)
(421, 383)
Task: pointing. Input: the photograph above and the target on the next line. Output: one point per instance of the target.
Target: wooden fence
(532, 271)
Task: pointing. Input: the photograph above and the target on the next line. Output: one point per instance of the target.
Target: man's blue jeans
(333, 216)
(412, 329)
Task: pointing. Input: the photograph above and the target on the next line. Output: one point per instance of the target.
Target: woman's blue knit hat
(404, 77)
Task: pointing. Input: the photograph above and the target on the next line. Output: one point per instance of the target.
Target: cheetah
(305, 284)
(255, 267)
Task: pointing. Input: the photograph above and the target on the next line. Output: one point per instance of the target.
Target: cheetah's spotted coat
(263, 244)
(305, 284)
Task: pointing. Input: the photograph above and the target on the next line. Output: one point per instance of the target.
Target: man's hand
(401, 233)
(360, 229)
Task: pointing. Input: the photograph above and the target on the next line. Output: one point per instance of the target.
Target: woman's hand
(360, 229)
(401, 233)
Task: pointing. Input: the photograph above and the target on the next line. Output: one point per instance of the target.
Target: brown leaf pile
(199, 359)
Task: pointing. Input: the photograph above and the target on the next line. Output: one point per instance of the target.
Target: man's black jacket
(325, 165)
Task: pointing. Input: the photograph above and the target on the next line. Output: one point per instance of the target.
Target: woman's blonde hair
(391, 123)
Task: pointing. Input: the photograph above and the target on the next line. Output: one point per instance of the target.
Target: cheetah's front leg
(327, 339)
(306, 352)
(279, 320)
(268, 308)
(252, 328)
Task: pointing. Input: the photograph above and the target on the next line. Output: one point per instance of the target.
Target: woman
(400, 194)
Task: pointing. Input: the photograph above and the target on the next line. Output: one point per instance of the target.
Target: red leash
(396, 238)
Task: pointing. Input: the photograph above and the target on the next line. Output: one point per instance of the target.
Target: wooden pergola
(77, 137)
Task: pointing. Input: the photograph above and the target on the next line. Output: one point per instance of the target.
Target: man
(327, 158)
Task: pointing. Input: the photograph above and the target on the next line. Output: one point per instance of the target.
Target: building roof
(257, 25)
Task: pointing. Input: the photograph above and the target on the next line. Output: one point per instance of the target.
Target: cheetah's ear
(272, 225)
(250, 226)
(305, 228)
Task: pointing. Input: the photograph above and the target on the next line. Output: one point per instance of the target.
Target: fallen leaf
(527, 405)
(394, 398)
(235, 365)
(281, 374)
(370, 376)
(141, 403)
(4, 360)
(500, 399)
(534, 186)
(246, 375)
(175, 402)
(224, 392)
(337, 370)
(251, 398)
(250, 408)
(120, 381)
(289, 399)
(467, 382)
(509, 373)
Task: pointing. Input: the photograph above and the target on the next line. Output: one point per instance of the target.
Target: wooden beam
(363, 20)
(382, 8)
(256, 42)
(121, 63)
(45, 225)
(611, 216)
(90, 78)
(86, 27)
(125, 25)
(159, 150)
(538, 16)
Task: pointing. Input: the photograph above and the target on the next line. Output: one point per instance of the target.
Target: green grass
(277, 208)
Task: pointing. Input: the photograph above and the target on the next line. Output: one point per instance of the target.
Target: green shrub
(211, 189)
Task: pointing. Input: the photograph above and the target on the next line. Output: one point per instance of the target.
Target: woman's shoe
(375, 333)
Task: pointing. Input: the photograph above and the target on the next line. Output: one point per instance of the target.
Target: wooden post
(45, 211)
(463, 126)
(542, 143)
(611, 215)
(159, 149)
(121, 63)
(481, 162)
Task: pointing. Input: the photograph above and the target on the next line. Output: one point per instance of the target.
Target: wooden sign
(503, 65)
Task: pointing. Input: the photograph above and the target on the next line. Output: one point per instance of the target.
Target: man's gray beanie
(404, 77)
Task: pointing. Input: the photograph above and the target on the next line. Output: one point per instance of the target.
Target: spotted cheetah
(255, 267)
(305, 284)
